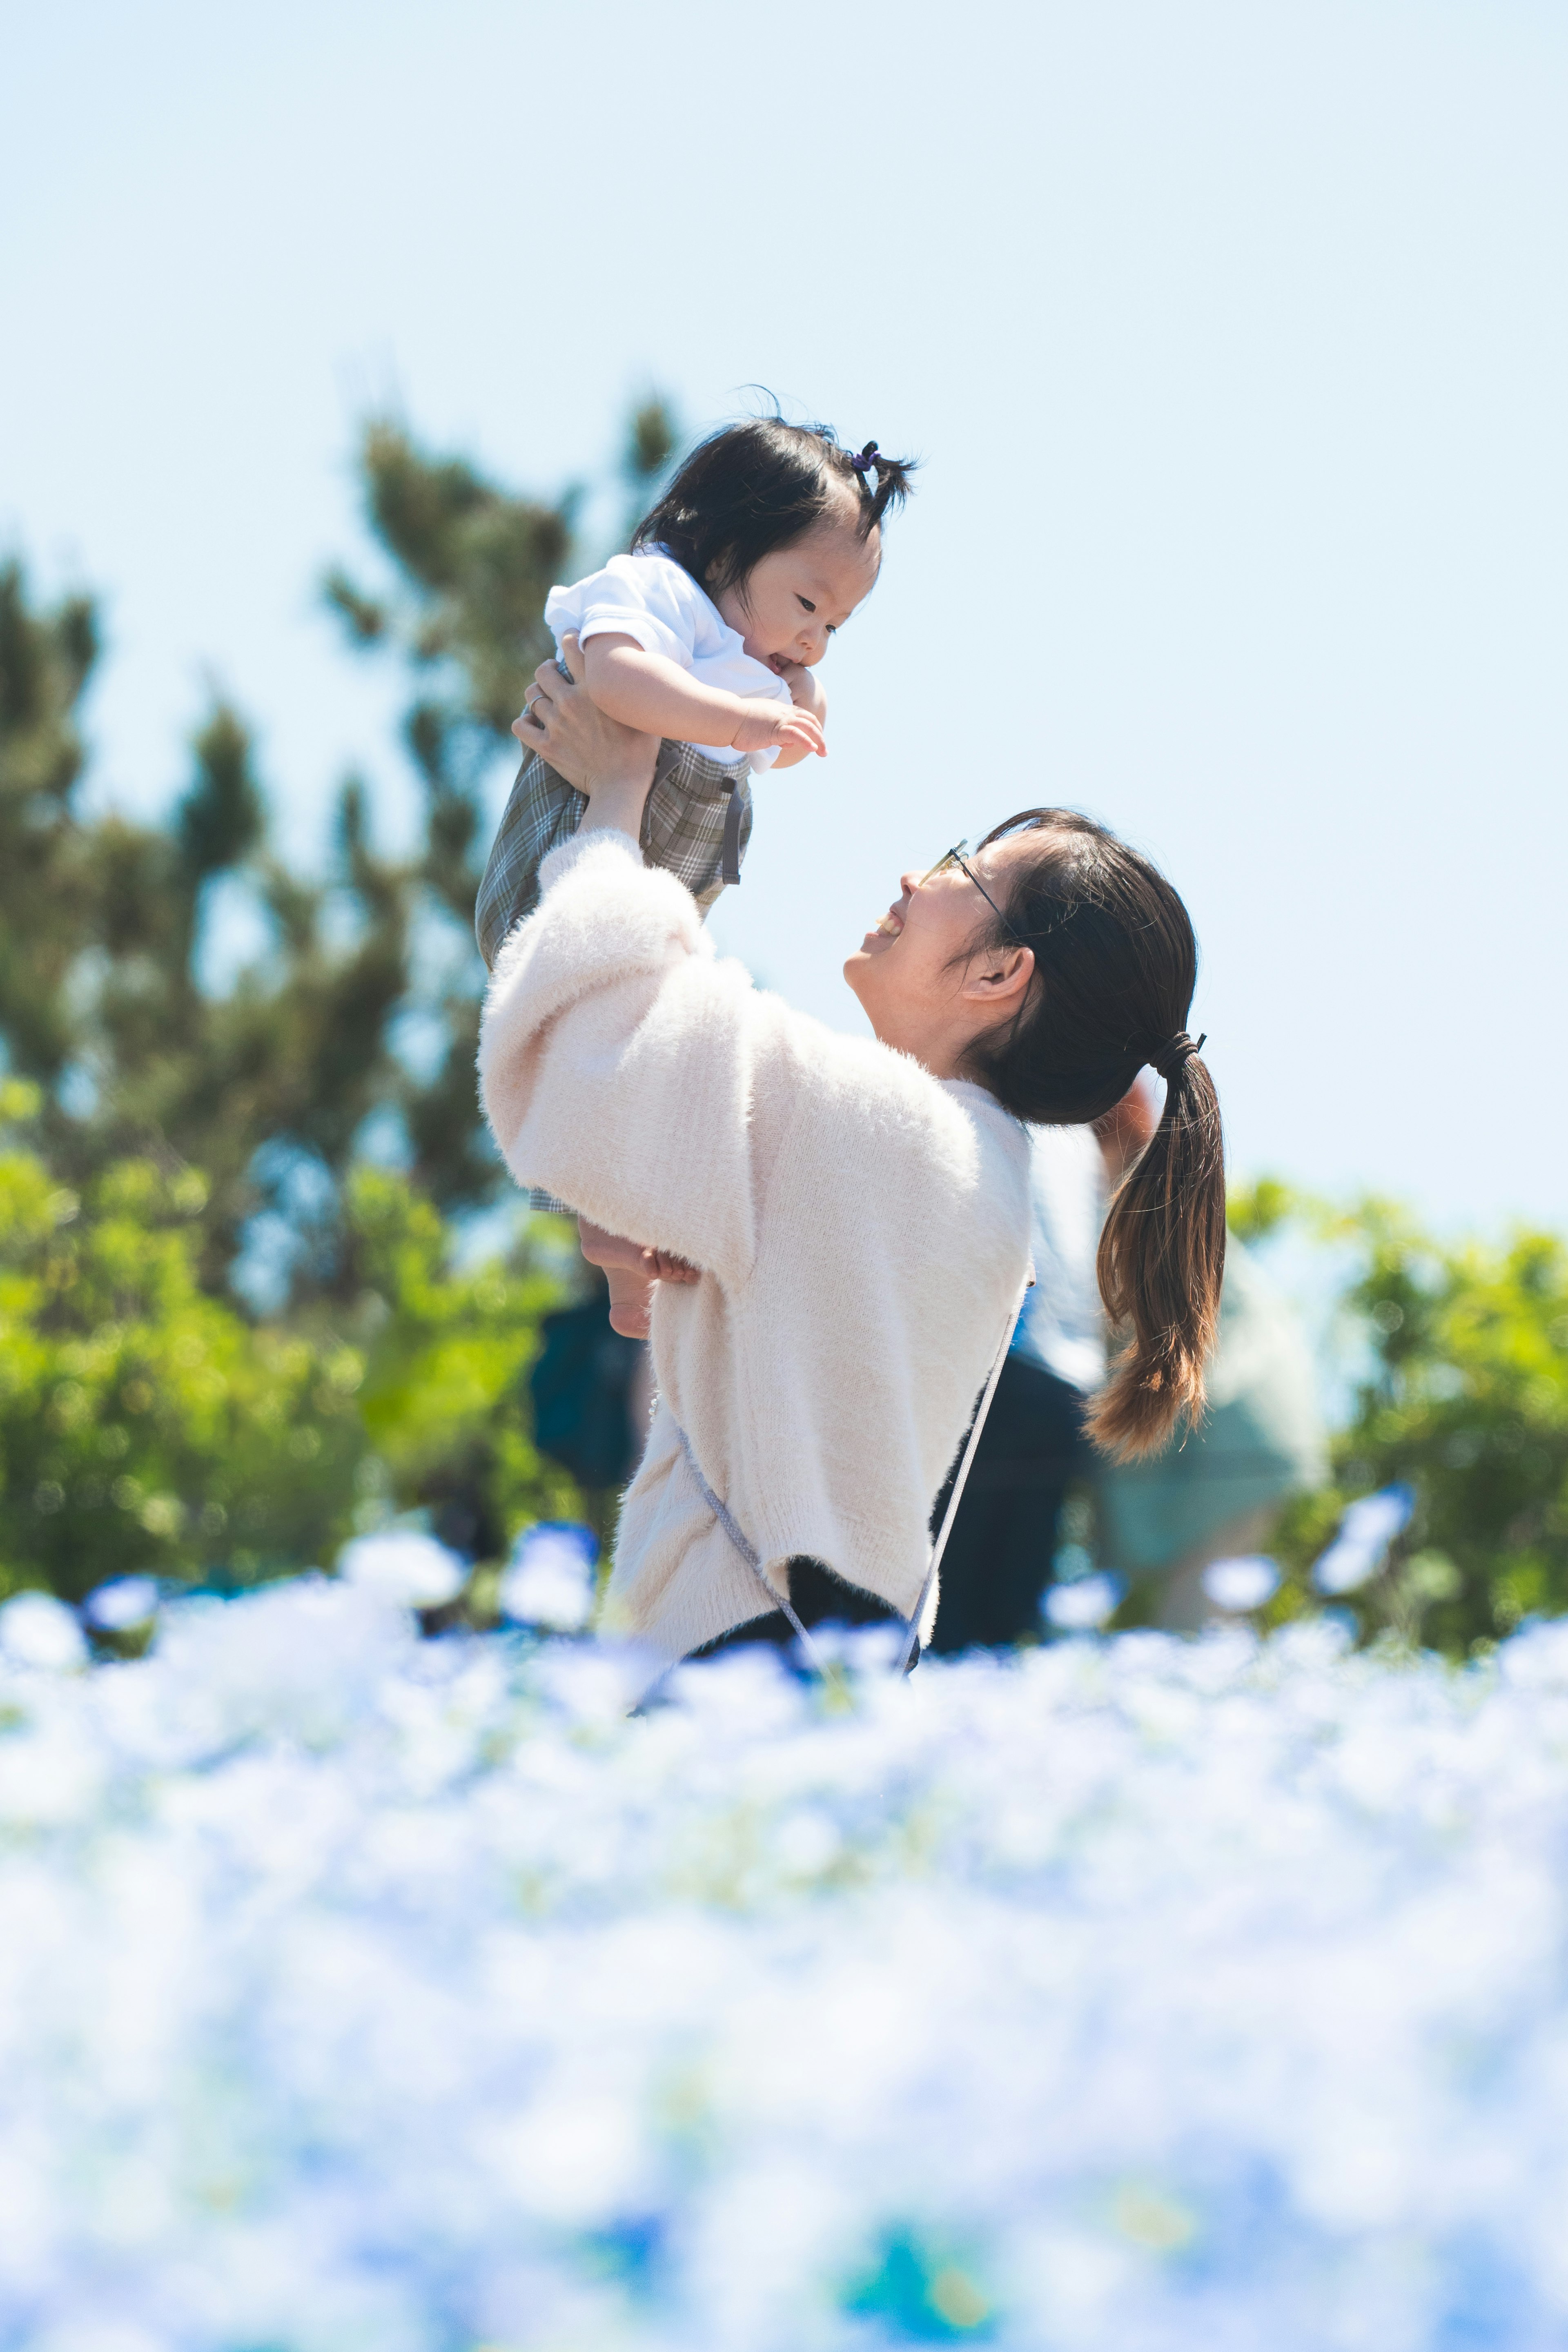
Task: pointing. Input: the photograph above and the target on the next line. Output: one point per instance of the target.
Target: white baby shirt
(652, 598)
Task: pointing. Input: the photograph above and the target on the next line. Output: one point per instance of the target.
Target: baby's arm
(658, 698)
(805, 693)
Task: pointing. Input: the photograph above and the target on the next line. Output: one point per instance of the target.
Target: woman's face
(921, 989)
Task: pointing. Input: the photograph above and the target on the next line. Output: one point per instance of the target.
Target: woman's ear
(998, 977)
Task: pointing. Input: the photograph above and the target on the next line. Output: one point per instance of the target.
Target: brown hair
(1115, 965)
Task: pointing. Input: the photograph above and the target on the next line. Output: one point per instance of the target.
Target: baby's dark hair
(1115, 966)
(752, 488)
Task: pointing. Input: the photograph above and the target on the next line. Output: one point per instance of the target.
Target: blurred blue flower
(1242, 1584)
(1083, 1606)
(122, 1605)
(401, 1994)
(37, 1630)
(1366, 1530)
(549, 1579)
(401, 1566)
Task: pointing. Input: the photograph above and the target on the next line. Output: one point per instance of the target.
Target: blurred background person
(1218, 1493)
(1214, 1493)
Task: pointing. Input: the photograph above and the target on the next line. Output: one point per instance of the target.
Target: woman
(858, 1210)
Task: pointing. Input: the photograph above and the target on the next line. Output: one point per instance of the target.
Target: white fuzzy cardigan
(862, 1228)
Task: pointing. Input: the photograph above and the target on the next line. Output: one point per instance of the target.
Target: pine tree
(267, 1088)
(470, 565)
(47, 914)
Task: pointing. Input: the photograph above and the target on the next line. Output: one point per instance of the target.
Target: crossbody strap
(749, 1554)
(913, 1633)
(734, 808)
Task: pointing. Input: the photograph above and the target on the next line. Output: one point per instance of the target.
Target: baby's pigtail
(1162, 1258)
(893, 483)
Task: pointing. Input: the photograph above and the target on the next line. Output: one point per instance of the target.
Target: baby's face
(794, 598)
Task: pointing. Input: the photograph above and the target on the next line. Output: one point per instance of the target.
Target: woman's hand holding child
(595, 753)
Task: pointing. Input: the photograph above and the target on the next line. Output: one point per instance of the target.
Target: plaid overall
(698, 810)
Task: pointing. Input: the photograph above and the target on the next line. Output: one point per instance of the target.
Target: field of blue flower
(366, 1993)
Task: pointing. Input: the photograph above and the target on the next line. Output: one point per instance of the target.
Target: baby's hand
(767, 727)
(805, 691)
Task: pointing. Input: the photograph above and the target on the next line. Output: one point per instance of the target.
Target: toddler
(706, 635)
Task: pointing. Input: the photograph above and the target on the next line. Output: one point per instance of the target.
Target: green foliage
(47, 890)
(1253, 1212)
(145, 1426)
(447, 1355)
(474, 565)
(100, 920)
(1465, 1400)
(220, 820)
(470, 565)
(652, 438)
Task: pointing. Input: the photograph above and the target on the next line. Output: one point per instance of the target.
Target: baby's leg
(608, 1250)
(631, 1271)
(630, 1279)
(631, 1301)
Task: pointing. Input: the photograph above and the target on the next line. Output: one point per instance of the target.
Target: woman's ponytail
(1115, 967)
(1162, 1258)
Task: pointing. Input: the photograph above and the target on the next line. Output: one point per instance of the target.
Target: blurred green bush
(447, 1352)
(1463, 1395)
(146, 1424)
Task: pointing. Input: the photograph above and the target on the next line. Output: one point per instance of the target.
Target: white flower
(549, 1580)
(404, 1567)
(122, 1606)
(366, 1994)
(1368, 1528)
(1082, 1606)
(1241, 1583)
(37, 1630)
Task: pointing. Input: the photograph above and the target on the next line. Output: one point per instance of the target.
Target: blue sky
(1233, 339)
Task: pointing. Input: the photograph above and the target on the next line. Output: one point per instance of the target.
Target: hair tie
(1175, 1054)
(866, 459)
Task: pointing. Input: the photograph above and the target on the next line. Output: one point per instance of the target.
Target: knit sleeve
(618, 1057)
